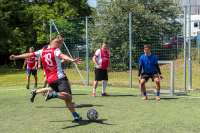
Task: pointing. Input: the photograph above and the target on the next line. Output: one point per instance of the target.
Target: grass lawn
(123, 111)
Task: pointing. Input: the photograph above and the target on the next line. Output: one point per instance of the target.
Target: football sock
(75, 114)
(104, 84)
(53, 94)
(158, 93)
(94, 90)
(145, 94)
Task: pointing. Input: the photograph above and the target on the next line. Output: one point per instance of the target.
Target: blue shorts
(31, 71)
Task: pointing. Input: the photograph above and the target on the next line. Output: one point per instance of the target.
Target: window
(196, 24)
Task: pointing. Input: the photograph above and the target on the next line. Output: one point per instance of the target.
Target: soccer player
(101, 60)
(45, 84)
(51, 60)
(31, 68)
(149, 68)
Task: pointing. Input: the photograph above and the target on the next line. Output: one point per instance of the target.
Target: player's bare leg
(36, 79)
(68, 101)
(28, 81)
(42, 91)
(95, 84)
(143, 89)
(45, 83)
(157, 81)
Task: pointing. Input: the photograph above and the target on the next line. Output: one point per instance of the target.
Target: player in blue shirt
(149, 68)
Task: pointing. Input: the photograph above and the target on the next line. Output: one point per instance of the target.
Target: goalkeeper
(149, 68)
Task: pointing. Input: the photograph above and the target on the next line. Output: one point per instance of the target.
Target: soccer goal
(168, 73)
(171, 74)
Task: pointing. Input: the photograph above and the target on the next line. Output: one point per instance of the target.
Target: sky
(92, 3)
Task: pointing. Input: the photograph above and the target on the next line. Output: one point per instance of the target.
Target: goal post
(172, 73)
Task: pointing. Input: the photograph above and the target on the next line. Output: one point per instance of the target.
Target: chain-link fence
(126, 37)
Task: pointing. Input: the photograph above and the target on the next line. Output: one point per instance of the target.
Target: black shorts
(61, 85)
(100, 74)
(31, 71)
(147, 76)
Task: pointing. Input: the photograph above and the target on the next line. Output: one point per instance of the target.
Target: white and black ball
(92, 114)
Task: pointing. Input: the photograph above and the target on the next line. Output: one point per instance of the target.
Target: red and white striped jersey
(102, 58)
(31, 62)
(50, 58)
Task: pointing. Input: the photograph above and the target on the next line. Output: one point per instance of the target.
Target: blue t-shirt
(148, 63)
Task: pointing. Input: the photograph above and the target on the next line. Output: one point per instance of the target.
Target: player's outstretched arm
(67, 58)
(22, 56)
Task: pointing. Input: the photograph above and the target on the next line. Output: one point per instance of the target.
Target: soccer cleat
(27, 86)
(94, 94)
(104, 94)
(33, 94)
(145, 98)
(157, 98)
(77, 119)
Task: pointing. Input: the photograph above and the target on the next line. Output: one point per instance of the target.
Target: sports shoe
(94, 94)
(77, 119)
(145, 98)
(33, 94)
(157, 98)
(104, 94)
(27, 86)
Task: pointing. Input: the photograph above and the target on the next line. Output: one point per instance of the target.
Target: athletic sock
(145, 94)
(158, 93)
(53, 94)
(94, 90)
(104, 84)
(75, 115)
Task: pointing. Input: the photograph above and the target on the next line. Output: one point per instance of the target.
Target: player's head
(57, 41)
(147, 49)
(31, 49)
(104, 45)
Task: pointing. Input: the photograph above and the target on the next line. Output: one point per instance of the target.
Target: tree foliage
(26, 23)
(151, 21)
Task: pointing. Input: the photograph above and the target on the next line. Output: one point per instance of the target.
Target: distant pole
(50, 30)
(87, 50)
(130, 49)
(185, 46)
(189, 51)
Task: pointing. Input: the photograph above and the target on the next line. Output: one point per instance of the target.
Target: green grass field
(123, 111)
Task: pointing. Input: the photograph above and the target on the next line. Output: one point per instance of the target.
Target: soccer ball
(92, 114)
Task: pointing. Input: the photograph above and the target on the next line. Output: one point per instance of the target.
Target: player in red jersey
(51, 57)
(31, 68)
(101, 60)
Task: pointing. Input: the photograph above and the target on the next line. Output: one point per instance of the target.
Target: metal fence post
(189, 52)
(185, 46)
(50, 30)
(87, 51)
(130, 49)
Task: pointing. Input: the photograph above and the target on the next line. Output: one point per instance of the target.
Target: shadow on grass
(79, 94)
(86, 122)
(169, 98)
(121, 95)
(76, 106)
(162, 98)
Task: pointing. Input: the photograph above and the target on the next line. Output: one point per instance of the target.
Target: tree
(151, 21)
(25, 23)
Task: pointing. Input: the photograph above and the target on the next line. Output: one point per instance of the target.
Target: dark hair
(147, 46)
(32, 48)
(104, 42)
